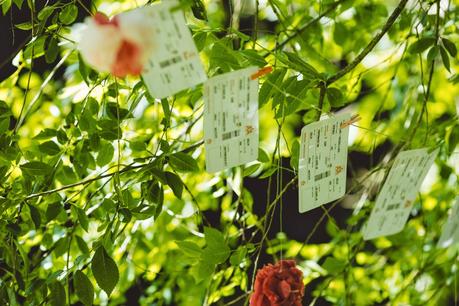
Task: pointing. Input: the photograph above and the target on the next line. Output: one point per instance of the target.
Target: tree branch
(390, 21)
(323, 89)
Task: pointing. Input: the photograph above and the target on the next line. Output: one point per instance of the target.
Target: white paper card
(231, 119)
(175, 64)
(450, 232)
(394, 202)
(323, 162)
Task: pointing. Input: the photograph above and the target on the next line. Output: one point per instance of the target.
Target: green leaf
(104, 270)
(36, 168)
(333, 265)
(25, 26)
(46, 134)
(223, 57)
(4, 125)
(335, 97)
(93, 106)
(214, 238)
(35, 215)
(216, 250)
(110, 129)
(153, 193)
(6, 5)
(167, 113)
(175, 183)
(296, 63)
(452, 138)
(341, 33)
(83, 69)
(199, 10)
(183, 162)
(53, 210)
(46, 12)
(164, 145)
(105, 154)
(57, 294)
(158, 174)
(263, 156)
(51, 49)
(202, 270)
(18, 3)
(82, 217)
(238, 256)
(421, 45)
(445, 58)
(83, 288)
(62, 136)
(450, 47)
(294, 159)
(113, 111)
(254, 58)
(189, 248)
(251, 169)
(432, 54)
(5, 111)
(159, 203)
(200, 40)
(68, 14)
(50, 148)
(269, 86)
(82, 245)
(270, 171)
(94, 142)
(13, 228)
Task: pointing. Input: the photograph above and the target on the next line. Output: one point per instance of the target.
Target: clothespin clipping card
(175, 64)
(263, 71)
(351, 121)
(323, 162)
(231, 119)
(450, 231)
(394, 202)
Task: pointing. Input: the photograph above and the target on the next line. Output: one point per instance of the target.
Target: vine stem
(390, 21)
(323, 89)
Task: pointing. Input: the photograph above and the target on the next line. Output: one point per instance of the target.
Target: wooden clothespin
(353, 119)
(263, 71)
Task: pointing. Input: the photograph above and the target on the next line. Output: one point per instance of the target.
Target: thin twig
(390, 21)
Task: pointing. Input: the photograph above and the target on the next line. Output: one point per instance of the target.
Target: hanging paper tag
(450, 232)
(175, 64)
(231, 119)
(394, 202)
(323, 162)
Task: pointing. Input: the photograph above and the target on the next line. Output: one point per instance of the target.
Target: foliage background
(103, 188)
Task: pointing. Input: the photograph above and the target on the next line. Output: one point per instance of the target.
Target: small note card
(231, 119)
(175, 64)
(450, 232)
(394, 202)
(323, 161)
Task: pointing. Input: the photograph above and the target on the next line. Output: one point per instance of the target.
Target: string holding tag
(263, 71)
(353, 119)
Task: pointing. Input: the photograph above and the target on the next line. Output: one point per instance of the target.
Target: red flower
(278, 285)
(121, 45)
(127, 60)
(102, 19)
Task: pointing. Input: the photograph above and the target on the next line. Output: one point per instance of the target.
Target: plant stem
(390, 21)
